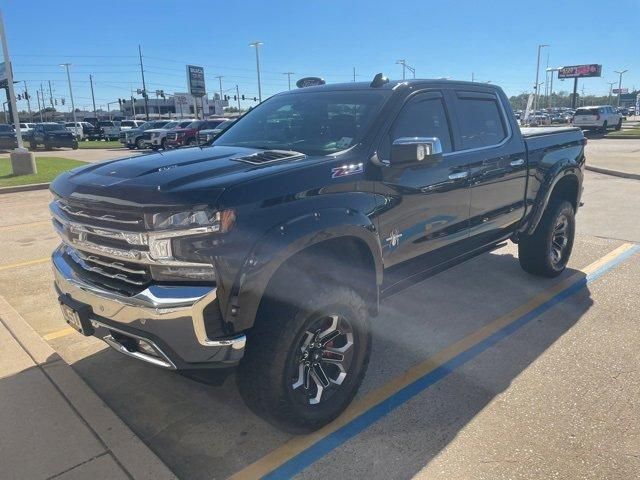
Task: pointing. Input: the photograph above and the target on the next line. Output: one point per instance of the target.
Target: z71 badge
(345, 170)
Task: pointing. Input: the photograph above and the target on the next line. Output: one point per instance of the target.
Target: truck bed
(528, 132)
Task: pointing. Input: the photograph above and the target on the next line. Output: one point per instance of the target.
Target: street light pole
(551, 72)
(288, 74)
(257, 47)
(404, 66)
(93, 99)
(537, 85)
(611, 84)
(219, 77)
(73, 107)
(620, 82)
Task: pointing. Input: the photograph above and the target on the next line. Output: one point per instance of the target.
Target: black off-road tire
(619, 125)
(604, 127)
(273, 348)
(139, 143)
(535, 251)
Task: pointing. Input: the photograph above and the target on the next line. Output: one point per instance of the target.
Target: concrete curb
(25, 188)
(124, 445)
(622, 137)
(615, 173)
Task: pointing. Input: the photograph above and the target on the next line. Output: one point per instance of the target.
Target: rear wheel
(604, 127)
(139, 143)
(619, 125)
(304, 363)
(547, 251)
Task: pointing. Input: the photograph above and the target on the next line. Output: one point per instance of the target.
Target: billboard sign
(620, 90)
(195, 80)
(580, 71)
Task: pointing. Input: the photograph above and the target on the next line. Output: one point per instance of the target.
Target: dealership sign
(195, 80)
(579, 71)
(620, 90)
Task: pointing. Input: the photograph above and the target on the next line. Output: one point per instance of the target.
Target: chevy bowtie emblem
(394, 238)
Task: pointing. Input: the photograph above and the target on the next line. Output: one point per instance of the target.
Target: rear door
(491, 145)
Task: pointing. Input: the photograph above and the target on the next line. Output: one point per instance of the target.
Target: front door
(424, 207)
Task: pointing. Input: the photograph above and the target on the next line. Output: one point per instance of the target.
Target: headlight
(155, 135)
(216, 221)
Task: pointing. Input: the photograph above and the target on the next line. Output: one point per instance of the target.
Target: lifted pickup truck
(270, 249)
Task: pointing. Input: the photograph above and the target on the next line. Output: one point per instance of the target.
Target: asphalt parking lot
(479, 372)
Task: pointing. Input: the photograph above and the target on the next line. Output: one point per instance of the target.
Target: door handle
(517, 163)
(458, 175)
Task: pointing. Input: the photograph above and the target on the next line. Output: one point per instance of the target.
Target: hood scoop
(268, 156)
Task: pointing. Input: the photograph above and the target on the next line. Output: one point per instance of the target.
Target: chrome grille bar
(100, 271)
(100, 218)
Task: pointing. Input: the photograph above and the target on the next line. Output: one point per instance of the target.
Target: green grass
(99, 144)
(627, 132)
(48, 169)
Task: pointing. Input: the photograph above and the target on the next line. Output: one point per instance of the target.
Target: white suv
(597, 118)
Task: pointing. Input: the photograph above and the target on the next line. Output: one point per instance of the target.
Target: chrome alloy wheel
(559, 240)
(324, 359)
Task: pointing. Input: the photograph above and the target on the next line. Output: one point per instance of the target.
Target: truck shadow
(201, 431)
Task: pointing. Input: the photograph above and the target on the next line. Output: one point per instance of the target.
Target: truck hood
(185, 176)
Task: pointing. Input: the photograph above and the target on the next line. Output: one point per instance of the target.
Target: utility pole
(257, 46)
(404, 66)
(354, 74)
(93, 99)
(537, 85)
(238, 97)
(39, 107)
(551, 72)
(144, 86)
(42, 97)
(26, 93)
(611, 84)
(288, 74)
(219, 77)
(73, 107)
(621, 72)
(473, 78)
(51, 95)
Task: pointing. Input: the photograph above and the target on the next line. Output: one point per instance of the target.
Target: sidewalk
(619, 157)
(52, 425)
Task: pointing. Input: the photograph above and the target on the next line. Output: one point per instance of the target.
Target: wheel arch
(310, 243)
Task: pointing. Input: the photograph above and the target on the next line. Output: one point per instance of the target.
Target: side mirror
(416, 150)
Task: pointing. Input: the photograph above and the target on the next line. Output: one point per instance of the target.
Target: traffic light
(56, 101)
(235, 98)
(120, 102)
(255, 99)
(242, 96)
(19, 97)
(62, 100)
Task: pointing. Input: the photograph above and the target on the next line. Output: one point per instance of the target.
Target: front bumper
(171, 319)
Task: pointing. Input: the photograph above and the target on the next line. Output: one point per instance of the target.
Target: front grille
(98, 216)
(269, 156)
(123, 137)
(172, 137)
(203, 138)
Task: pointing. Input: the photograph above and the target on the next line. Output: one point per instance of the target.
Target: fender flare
(558, 172)
(285, 240)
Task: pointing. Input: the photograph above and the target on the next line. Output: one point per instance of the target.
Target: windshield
(54, 127)
(106, 124)
(196, 124)
(314, 123)
(127, 123)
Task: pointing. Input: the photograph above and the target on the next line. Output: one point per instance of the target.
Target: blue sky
(495, 40)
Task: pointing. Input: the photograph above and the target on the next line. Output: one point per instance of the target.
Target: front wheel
(619, 125)
(304, 363)
(139, 144)
(547, 251)
(604, 127)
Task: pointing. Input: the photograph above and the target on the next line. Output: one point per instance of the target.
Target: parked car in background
(91, 129)
(157, 138)
(51, 135)
(132, 138)
(110, 130)
(188, 135)
(539, 119)
(205, 136)
(8, 139)
(597, 118)
(129, 124)
(26, 129)
(76, 128)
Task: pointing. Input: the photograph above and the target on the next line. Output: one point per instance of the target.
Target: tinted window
(481, 123)
(5, 128)
(54, 127)
(314, 122)
(107, 124)
(423, 117)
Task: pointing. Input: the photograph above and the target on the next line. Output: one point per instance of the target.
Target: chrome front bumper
(168, 318)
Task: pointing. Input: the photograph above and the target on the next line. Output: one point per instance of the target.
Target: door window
(422, 116)
(481, 122)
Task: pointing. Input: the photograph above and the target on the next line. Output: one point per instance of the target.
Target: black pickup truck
(270, 249)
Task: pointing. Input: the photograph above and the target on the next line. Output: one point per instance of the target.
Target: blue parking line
(324, 446)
